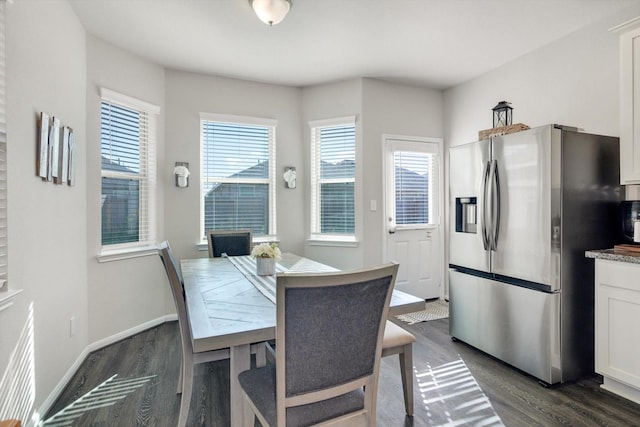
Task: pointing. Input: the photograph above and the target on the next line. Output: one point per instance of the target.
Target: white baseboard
(57, 391)
(51, 399)
(130, 332)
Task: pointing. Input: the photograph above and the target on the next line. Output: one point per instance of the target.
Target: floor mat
(438, 309)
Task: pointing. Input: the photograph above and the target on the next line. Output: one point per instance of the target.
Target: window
(238, 174)
(411, 179)
(128, 143)
(333, 148)
(413, 187)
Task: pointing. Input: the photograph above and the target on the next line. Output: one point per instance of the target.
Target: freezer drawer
(516, 325)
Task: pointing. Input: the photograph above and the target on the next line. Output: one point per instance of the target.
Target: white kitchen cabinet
(617, 327)
(629, 101)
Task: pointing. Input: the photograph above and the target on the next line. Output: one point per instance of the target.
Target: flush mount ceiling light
(271, 12)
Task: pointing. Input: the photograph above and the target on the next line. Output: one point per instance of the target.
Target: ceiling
(430, 43)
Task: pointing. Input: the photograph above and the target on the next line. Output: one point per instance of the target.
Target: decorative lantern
(502, 115)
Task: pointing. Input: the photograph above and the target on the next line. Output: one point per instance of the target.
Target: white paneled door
(412, 213)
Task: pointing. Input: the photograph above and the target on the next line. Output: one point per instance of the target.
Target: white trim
(400, 142)
(432, 147)
(130, 332)
(627, 25)
(64, 381)
(333, 240)
(126, 253)
(128, 101)
(238, 120)
(271, 125)
(315, 130)
(146, 176)
(6, 298)
(338, 121)
(59, 388)
(439, 222)
(387, 136)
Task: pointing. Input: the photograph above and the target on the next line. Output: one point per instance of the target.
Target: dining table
(230, 306)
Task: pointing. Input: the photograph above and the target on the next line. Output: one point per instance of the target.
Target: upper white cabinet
(629, 101)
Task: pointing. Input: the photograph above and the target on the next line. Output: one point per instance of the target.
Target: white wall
(390, 109)
(55, 230)
(126, 293)
(573, 82)
(46, 71)
(187, 95)
(331, 101)
(380, 108)
(60, 273)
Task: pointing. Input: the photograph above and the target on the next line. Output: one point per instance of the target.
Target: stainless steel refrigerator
(523, 209)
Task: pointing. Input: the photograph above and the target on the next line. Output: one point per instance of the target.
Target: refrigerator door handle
(485, 205)
(495, 205)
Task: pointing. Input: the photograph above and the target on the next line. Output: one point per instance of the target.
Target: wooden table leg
(240, 361)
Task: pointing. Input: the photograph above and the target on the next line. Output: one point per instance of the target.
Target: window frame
(316, 237)
(428, 148)
(147, 177)
(271, 125)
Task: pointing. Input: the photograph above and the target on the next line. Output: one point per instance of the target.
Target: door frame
(441, 199)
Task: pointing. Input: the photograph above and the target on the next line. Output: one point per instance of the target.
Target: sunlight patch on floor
(452, 386)
(105, 394)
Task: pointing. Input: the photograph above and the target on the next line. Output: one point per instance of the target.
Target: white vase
(265, 266)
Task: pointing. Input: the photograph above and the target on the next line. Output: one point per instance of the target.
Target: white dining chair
(190, 358)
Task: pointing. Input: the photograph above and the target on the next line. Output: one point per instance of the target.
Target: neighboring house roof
(108, 164)
(410, 176)
(345, 167)
(328, 169)
(256, 171)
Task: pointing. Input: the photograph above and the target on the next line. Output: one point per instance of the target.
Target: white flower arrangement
(266, 250)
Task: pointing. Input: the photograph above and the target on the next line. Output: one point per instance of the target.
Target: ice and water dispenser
(466, 215)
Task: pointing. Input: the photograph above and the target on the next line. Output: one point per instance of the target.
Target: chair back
(231, 242)
(329, 333)
(177, 290)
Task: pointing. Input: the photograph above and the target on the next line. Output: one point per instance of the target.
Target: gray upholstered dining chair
(190, 358)
(396, 340)
(329, 330)
(230, 242)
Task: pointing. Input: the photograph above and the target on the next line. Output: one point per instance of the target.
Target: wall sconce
(289, 176)
(181, 171)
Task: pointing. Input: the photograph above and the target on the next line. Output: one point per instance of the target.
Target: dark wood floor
(455, 385)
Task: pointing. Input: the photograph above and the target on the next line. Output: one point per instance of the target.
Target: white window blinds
(333, 177)
(128, 171)
(238, 174)
(413, 179)
(3, 151)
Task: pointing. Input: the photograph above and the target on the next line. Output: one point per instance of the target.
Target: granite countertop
(614, 255)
